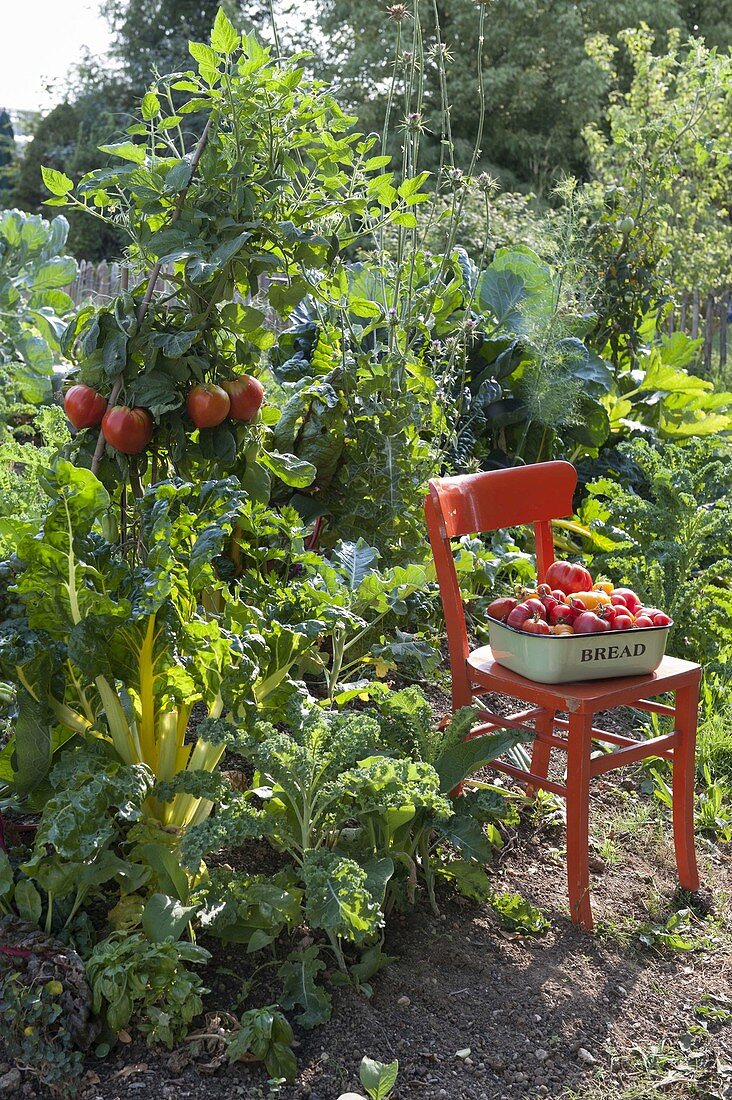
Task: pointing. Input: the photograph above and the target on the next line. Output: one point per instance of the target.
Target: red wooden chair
(476, 503)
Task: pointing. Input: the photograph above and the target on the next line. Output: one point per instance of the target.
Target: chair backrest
(476, 503)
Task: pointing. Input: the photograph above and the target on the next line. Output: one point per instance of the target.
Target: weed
(518, 915)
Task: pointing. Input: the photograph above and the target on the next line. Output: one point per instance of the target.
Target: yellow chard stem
(168, 744)
(68, 717)
(203, 810)
(124, 738)
(147, 697)
(204, 757)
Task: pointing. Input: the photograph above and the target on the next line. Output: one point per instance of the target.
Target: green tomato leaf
(126, 150)
(56, 182)
(179, 176)
(114, 354)
(224, 38)
(150, 106)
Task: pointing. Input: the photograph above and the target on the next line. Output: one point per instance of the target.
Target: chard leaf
(462, 759)
(291, 470)
(165, 917)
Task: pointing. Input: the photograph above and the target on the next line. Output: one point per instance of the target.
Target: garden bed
(475, 1012)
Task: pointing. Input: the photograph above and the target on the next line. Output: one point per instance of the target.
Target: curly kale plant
(360, 818)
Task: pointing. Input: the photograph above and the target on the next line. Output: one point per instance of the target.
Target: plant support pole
(152, 280)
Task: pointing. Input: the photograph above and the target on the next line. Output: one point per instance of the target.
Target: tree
(661, 186)
(708, 19)
(152, 36)
(149, 37)
(541, 87)
(7, 156)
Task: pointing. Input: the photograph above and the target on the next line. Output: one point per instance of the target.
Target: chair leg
(687, 707)
(541, 752)
(578, 818)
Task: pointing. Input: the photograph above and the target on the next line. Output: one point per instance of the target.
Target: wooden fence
(100, 282)
(706, 315)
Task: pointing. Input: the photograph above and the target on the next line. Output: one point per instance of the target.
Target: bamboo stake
(709, 332)
(152, 280)
(723, 308)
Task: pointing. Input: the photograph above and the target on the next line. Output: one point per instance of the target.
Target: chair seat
(588, 696)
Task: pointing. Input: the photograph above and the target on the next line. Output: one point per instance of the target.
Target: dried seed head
(455, 179)
(440, 51)
(487, 184)
(414, 123)
(397, 12)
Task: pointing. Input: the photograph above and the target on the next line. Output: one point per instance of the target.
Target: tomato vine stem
(151, 282)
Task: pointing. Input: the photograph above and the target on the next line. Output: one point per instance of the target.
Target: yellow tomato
(563, 628)
(593, 599)
(604, 586)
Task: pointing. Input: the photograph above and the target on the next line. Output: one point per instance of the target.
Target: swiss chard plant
(119, 647)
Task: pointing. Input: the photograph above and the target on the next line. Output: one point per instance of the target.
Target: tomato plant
(216, 240)
(127, 430)
(84, 406)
